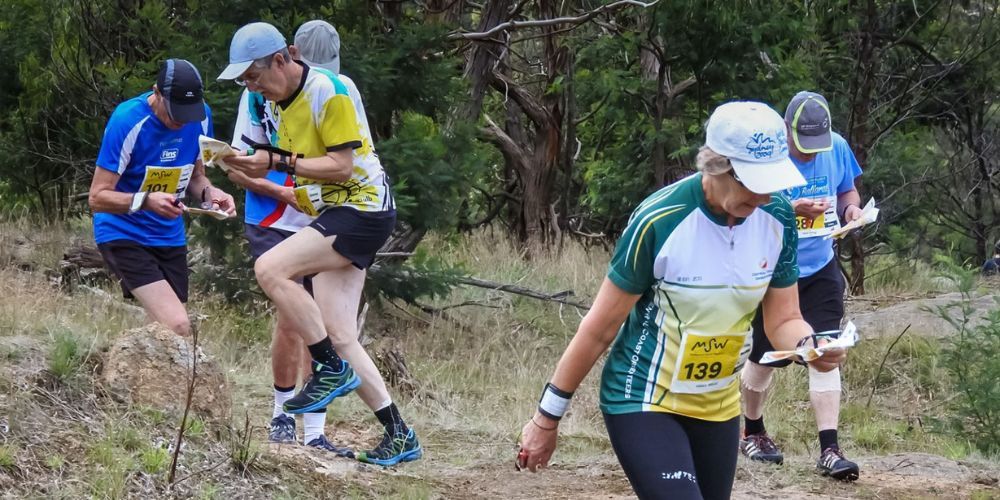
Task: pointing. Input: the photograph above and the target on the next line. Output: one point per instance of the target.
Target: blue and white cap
(252, 41)
(180, 85)
(752, 136)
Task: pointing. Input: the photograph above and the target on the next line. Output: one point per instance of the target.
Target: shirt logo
(763, 263)
(169, 154)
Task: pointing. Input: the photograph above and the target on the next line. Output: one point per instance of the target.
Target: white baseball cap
(752, 136)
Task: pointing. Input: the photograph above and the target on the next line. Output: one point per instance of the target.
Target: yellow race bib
(172, 180)
(823, 225)
(707, 363)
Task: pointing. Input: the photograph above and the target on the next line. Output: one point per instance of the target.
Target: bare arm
(103, 197)
(784, 325)
(849, 203)
(596, 332)
(335, 166)
(264, 187)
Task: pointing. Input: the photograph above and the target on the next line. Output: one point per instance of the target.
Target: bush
(971, 360)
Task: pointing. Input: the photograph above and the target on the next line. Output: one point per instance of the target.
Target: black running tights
(675, 457)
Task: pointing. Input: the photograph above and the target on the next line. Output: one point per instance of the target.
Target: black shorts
(359, 235)
(137, 265)
(262, 239)
(676, 457)
(821, 299)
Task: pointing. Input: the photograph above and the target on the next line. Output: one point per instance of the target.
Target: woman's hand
(538, 441)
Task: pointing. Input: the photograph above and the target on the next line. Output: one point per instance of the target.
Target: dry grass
(477, 372)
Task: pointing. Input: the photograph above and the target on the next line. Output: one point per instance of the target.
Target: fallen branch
(187, 403)
(538, 23)
(882, 365)
(438, 310)
(560, 297)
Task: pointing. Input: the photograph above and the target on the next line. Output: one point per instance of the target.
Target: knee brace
(824, 381)
(755, 377)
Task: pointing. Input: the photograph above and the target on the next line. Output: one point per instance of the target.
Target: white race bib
(707, 362)
(310, 199)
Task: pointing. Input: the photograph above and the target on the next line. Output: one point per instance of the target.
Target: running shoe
(323, 444)
(761, 447)
(394, 449)
(324, 386)
(282, 430)
(832, 463)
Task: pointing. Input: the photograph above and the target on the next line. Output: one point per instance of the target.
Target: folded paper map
(848, 337)
(213, 213)
(214, 152)
(869, 214)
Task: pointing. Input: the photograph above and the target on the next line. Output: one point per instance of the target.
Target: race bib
(173, 180)
(310, 199)
(708, 363)
(824, 225)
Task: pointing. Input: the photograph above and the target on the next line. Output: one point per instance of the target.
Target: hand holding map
(214, 152)
(848, 337)
(869, 214)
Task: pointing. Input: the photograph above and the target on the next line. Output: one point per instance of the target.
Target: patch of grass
(110, 483)
(128, 438)
(154, 460)
(8, 457)
(67, 355)
(55, 461)
(195, 428)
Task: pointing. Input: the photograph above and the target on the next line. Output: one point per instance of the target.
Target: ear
(294, 52)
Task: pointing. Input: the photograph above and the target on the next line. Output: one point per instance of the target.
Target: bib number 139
(702, 371)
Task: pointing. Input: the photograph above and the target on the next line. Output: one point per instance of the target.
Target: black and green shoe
(323, 387)
(396, 448)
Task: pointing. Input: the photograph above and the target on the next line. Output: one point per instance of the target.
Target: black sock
(827, 439)
(753, 426)
(323, 352)
(284, 389)
(391, 419)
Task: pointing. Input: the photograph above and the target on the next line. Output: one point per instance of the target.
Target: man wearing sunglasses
(148, 160)
(305, 124)
(829, 167)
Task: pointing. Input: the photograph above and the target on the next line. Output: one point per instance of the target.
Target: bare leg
(163, 306)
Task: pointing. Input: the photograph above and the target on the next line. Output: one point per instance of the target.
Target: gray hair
(265, 62)
(712, 163)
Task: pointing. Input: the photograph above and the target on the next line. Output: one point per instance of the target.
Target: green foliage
(421, 276)
(154, 460)
(67, 356)
(970, 358)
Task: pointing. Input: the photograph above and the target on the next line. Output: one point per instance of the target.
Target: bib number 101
(701, 371)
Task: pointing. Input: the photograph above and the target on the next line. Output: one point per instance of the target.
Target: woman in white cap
(695, 261)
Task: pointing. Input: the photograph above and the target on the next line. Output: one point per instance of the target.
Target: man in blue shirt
(829, 167)
(149, 159)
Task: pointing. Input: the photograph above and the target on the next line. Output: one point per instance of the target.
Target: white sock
(279, 401)
(312, 425)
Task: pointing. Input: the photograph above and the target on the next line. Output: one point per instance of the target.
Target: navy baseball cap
(180, 85)
(808, 117)
(251, 42)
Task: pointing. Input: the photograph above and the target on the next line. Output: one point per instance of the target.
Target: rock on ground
(151, 366)
(891, 320)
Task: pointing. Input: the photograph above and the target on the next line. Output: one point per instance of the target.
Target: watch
(137, 200)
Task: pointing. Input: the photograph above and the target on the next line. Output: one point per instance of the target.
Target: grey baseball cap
(808, 117)
(180, 84)
(319, 45)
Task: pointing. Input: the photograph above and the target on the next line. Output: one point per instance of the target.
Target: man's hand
(809, 208)
(830, 359)
(221, 200)
(288, 197)
(163, 204)
(852, 212)
(253, 166)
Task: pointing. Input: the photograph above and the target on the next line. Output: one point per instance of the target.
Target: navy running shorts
(136, 265)
(359, 235)
(821, 299)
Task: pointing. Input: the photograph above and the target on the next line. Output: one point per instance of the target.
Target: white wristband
(554, 402)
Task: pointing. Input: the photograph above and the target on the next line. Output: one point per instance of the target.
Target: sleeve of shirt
(631, 267)
(116, 148)
(338, 125)
(786, 271)
(249, 126)
(208, 125)
(850, 166)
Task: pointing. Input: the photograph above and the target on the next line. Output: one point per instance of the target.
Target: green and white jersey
(684, 343)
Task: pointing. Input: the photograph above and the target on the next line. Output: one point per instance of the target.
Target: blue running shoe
(394, 449)
(323, 444)
(282, 430)
(324, 386)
